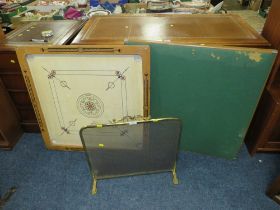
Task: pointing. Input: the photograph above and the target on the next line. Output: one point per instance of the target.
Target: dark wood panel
(275, 134)
(9, 62)
(268, 149)
(271, 29)
(27, 115)
(271, 32)
(21, 98)
(264, 132)
(258, 122)
(10, 129)
(2, 140)
(13, 81)
(274, 78)
(264, 128)
(272, 145)
(273, 190)
(30, 127)
(28, 119)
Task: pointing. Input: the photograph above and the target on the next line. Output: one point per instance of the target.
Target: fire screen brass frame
(132, 148)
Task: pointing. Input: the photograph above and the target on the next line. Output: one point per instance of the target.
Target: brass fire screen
(132, 148)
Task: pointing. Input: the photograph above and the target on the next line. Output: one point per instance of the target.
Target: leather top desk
(208, 29)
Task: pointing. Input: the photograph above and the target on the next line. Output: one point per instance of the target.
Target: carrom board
(72, 87)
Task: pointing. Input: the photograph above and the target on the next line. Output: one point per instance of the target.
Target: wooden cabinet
(2, 35)
(264, 132)
(273, 190)
(13, 82)
(10, 129)
(10, 72)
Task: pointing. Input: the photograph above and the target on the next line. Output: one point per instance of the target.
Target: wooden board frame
(22, 52)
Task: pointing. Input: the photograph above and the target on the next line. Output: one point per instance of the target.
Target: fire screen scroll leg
(94, 188)
(175, 179)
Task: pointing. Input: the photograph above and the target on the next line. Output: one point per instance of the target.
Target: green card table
(213, 90)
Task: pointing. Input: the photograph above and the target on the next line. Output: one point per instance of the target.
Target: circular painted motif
(90, 105)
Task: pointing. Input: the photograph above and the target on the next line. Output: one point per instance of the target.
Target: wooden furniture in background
(264, 8)
(255, 4)
(264, 132)
(10, 72)
(274, 190)
(244, 2)
(210, 29)
(10, 129)
(2, 35)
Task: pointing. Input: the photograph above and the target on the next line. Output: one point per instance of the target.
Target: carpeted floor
(61, 180)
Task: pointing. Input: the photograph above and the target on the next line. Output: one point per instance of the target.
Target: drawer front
(2, 140)
(275, 131)
(21, 98)
(4, 144)
(28, 120)
(27, 115)
(13, 81)
(30, 127)
(9, 62)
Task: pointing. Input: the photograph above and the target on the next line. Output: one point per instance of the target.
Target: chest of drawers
(10, 72)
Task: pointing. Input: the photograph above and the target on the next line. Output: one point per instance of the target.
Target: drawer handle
(12, 61)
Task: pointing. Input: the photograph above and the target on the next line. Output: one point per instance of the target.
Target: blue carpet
(61, 180)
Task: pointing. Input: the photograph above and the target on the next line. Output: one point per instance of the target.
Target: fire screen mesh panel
(132, 148)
